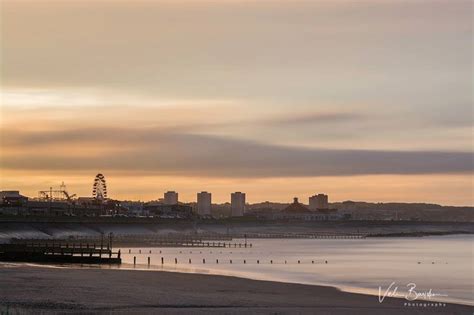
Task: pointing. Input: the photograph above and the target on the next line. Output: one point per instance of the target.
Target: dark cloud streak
(159, 151)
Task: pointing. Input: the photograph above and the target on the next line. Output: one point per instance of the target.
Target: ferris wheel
(99, 189)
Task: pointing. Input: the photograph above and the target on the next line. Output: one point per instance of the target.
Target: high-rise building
(204, 203)
(237, 204)
(319, 202)
(171, 198)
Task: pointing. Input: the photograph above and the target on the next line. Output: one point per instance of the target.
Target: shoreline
(110, 290)
(196, 271)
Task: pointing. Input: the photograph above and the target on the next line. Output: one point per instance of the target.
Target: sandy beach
(39, 290)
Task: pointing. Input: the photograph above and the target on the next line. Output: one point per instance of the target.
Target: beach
(26, 289)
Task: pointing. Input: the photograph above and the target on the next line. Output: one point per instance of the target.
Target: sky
(361, 100)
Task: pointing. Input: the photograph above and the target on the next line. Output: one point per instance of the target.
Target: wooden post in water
(148, 261)
(109, 246)
(162, 260)
(134, 260)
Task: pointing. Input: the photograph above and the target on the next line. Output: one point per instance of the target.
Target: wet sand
(38, 290)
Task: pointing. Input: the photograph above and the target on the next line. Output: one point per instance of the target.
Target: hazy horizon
(362, 100)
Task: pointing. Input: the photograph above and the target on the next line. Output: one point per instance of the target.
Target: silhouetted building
(296, 207)
(319, 202)
(237, 203)
(177, 211)
(49, 208)
(12, 197)
(12, 202)
(297, 211)
(171, 198)
(134, 208)
(204, 203)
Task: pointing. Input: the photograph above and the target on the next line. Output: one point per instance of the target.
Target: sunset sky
(362, 100)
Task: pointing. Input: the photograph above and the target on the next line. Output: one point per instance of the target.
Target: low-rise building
(177, 211)
(133, 208)
(298, 211)
(12, 202)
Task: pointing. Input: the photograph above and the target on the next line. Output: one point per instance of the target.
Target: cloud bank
(160, 151)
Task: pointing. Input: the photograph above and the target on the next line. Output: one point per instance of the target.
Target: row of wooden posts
(204, 261)
(150, 251)
(201, 244)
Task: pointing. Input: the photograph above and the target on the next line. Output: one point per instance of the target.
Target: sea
(436, 268)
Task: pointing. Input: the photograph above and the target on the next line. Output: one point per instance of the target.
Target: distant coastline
(67, 227)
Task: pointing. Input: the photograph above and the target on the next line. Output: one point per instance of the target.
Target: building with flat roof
(298, 211)
(12, 202)
(237, 204)
(319, 202)
(170, 198)
(12, 197)
(204, 203)
(176, 211)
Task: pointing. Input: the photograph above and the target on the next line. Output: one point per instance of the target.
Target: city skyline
(170, 197)
(272, 98)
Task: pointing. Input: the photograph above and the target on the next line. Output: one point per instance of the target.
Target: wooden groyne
(174, 237)
(188, 239)
(156, 242)
(200, 244)
(219, 240)
(318, 235)
(59, 252)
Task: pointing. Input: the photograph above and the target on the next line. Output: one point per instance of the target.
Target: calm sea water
(442, 264)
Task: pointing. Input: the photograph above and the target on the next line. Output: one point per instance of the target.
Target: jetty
(59, 252)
